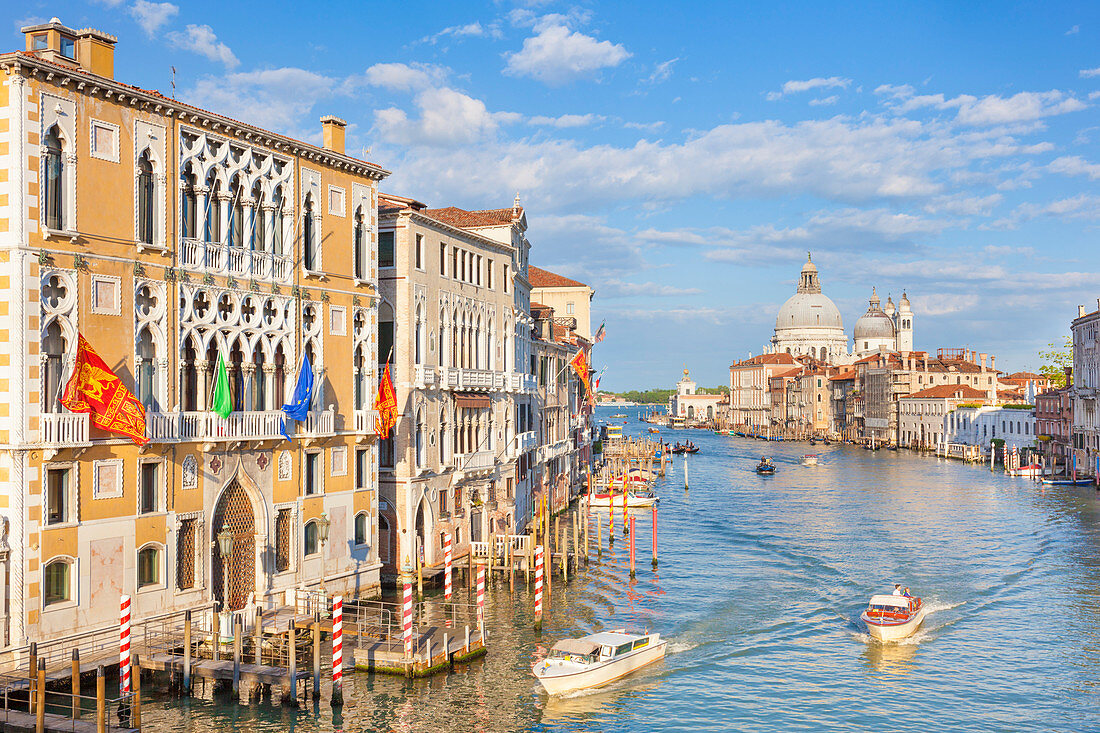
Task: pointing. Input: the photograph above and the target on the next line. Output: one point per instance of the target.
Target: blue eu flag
(298, 407)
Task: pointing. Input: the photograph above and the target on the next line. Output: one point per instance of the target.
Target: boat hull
(601, 674)
(894, 631)
(632, 502)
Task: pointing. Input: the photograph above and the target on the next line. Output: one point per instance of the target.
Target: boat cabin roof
(890, 600)
(611, 638)
(576, 646)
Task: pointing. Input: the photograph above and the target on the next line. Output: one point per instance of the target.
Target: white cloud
(795, 86)
(615, 288)
(403, 77)
(1090, 73)
(662, 72)
(447, 117)
(151, 16)
(644, 126)
(1073, 165)
(202, 40)
(1081, 206)
(963, 205)
(556, 55)
(567, 120)
(988, 110)
(823, 101)
(465, 30)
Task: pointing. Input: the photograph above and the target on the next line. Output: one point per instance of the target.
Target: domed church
(809, 324)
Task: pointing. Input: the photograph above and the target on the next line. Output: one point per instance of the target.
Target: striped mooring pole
(338, 650)
(654, 536)
(481, 598)
(124, 645)
(447, 566)
(538, 587)
(632, 547)
(407, 616)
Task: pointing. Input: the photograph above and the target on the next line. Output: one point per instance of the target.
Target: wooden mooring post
(100, 700)
(75, 683)
(317, 657)
(290, 692)
(238, 631)
(135, 664)
(40, 699)
(32, 681)
(187, 653)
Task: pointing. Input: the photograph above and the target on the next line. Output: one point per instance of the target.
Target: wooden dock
(430, 655)
(20, 722)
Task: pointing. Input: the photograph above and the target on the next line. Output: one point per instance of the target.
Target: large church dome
(875, 323)
(809, 307)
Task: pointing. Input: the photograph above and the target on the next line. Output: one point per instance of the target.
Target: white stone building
(980, 426)
(1086, 380)
(921, 414)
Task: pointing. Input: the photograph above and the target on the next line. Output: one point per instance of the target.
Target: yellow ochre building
(168, 235)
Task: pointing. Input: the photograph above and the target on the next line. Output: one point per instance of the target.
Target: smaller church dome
(874, 324)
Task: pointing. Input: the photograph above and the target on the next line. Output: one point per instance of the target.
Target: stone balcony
(472, 380)
(218, 258)
(472, 464)
(63, 430)
(170, 427)
(366, 423)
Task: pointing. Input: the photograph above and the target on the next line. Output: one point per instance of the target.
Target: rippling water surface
(759, 591)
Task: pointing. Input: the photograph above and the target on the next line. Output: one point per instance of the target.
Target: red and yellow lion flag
(386, 403)
(95, 389)
(580, 366)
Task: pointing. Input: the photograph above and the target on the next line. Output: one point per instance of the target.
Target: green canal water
(759, 591)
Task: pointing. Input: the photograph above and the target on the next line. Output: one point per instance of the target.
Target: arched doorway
(234, 511)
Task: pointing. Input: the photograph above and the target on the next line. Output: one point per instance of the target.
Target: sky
(683, 159)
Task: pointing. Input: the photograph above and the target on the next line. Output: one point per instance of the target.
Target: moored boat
(1067, 481)
(596, 660)
(1032, 470)
(889, 618)
(635, 499)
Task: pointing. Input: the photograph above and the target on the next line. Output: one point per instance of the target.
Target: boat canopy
(575, 646)
(890, 600)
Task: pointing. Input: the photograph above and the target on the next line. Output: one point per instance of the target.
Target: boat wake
(678, 647)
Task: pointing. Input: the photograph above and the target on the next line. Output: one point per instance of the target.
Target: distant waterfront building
(980, 426)
(569, 298)
(1054, 423)
(689, 405)
(1085, 330)
(921, 414)
(750, 382)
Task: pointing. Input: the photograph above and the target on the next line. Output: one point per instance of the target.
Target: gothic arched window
(53, 185)
(145, 199)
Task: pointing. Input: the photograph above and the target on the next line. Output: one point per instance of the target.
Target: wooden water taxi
(889, 618)
(596, 660)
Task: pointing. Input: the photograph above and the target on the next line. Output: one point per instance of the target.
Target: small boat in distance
(618, 416)
(810, 459)
(687, 447)
(889, 618)
(654, 430)
(1067, 481)
(596, 660)
(765, 467)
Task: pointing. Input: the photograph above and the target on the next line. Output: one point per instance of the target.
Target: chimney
(983, 361)
(332, 130)
(1069, 375)
(1080, 311)
(993, 362)
(95, 51)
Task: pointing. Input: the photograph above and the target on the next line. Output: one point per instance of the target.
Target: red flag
(580, 366)
(386, 403)
(95, 389)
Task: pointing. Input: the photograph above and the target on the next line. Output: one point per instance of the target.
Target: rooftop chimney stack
(983, 361)
(1080, 311)
(993, 362)
(332, 129)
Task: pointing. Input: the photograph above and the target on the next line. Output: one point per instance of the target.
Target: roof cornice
(86, 82)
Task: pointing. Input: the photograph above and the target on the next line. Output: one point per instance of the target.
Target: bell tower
(904, 321)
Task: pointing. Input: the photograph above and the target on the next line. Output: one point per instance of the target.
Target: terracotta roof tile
(540, 278)
(947, 391)
(461, 218)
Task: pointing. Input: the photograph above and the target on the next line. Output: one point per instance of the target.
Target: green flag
(221, 402)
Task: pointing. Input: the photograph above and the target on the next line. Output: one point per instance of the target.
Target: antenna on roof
(173, 68)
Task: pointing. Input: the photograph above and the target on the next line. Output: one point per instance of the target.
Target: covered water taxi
(596, 660)
(889, 618)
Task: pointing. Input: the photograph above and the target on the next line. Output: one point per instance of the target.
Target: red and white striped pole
(407, 616)
(538, 587)
(447, 566)
(124, 645)
(632, 547)
(481, 598)
(338, 650)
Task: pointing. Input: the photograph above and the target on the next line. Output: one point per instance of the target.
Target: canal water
(759, 589)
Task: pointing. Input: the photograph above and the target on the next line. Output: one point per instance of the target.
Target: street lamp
(322, 534)
(225, 550)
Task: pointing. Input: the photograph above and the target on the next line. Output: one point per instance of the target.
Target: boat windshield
(576, 658)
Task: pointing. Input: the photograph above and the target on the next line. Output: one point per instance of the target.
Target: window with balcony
(213, 232)
(146, 368)
(57, 581)
(282, 540)
(53, 344)
(149, 488)
(188, 203)
(386, 249)
(309, 236)
(54, 193)
(258, 230)
(418, 335)
(277, 223)
(57, 499)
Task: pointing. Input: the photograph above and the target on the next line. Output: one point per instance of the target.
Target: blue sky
(682, 160)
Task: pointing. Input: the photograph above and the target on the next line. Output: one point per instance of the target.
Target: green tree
(1055, 361)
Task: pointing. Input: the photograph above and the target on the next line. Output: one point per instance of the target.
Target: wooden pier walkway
(20, 722)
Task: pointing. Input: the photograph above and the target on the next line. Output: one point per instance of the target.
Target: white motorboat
(889, 618)
(1032, 470)
(810, 459)
(635, 499)
(596, 660)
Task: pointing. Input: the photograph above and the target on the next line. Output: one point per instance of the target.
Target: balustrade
(221, 259)
(63, 428)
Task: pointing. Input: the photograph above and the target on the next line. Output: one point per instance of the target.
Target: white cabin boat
(596, 660)
(889, 617)
(810, 459)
